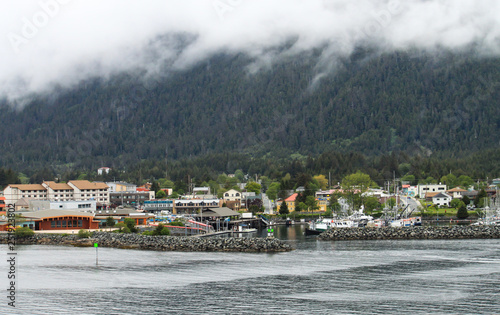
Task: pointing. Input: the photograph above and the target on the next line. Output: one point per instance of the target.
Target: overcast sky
(49, 42)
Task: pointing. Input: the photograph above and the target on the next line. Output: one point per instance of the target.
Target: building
(119, 215)
(103, 170)
(193, 206)
(423, 189)
(58, 191)
(442, 199)
(456, 192)
(232, 198)
(158, 205)
(290, 202)
(322, 204)
(82, 205)
(130, 198)
(85, 190)
(76, 190)
(59, 220)
(14, 192)
(201, 191)
(412, 191)
(218, 213)
(325, 193)
(121, 186)
(231, 195)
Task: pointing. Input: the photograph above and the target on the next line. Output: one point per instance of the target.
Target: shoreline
(413, 232)
(158, 243)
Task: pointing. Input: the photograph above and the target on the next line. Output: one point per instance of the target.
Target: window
(63, 223)
(70, 223)
(80, 223)
(53, 224)
(58, 223)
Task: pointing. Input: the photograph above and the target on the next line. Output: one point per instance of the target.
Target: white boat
(413, 221)
(321, 225)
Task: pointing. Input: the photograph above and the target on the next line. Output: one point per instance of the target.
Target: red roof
(292, 197)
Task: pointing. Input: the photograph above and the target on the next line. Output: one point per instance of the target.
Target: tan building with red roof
(456, 192)
(58, 191)
(14, 192)
(85, 190)
(77, 190)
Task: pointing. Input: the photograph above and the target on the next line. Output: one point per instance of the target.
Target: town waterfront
(324, 277)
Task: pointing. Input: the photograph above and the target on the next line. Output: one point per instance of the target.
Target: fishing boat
(321, 225)
(413, 221)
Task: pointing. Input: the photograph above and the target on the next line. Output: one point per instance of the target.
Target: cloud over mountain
(49, 43)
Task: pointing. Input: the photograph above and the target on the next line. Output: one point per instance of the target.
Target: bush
(126, 230)
(84, 234)
(161, 230)
(130, 223)
(462, 213)
(176, 223)
(110, 222)
(165, 231)
(24, 232)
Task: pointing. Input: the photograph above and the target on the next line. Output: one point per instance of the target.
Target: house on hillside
(103, 170)
(423, 189)
(442, 199)
(232, 199)
(456, 192)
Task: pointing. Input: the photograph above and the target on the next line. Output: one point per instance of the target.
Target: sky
(49, 43)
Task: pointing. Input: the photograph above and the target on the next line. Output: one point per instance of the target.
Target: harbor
(348, 277)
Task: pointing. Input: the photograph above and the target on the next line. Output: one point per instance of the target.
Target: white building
(121, 186)
(85, 190)
(58, 191)
(83, 205)
(424, 189)
(456, 192)
(76, 190)
(232, 195)
(103, 170)
(442, 199)
(14, 192)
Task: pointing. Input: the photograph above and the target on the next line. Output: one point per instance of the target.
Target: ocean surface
(319, 277)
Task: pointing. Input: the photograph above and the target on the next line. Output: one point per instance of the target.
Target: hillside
(411, 102)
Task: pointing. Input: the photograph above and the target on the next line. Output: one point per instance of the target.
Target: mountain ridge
(415, 103)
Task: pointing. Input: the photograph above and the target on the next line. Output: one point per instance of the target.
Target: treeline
(293, 173)
(440, 105)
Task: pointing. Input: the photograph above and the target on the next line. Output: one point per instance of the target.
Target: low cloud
(48, 43)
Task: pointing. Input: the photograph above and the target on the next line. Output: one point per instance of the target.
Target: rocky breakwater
(415, 232)
(161, 243)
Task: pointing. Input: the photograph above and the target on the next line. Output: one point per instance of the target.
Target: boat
(322, 225)
(243, 228)
(413, 221)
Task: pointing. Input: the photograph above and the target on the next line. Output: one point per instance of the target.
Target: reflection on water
(361, 277)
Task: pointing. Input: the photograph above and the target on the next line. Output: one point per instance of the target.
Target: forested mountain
(420, 104)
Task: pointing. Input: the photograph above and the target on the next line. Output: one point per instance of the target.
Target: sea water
(318, 277)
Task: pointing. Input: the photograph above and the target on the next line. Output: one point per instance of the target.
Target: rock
(415, 232)
(163, 243)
